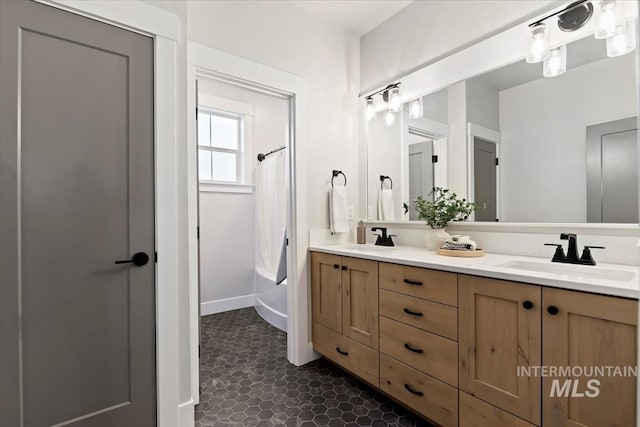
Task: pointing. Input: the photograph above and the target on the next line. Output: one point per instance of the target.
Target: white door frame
(224, 66)
(488, 135)
(163, 27)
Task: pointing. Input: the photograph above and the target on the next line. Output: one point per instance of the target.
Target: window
(219, 147)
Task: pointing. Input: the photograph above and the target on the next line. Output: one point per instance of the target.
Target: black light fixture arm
(570, 7)
(384, 90)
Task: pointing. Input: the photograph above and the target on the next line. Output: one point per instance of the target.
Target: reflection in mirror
(524, 147)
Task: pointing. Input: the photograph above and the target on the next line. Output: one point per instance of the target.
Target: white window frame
(225, 107)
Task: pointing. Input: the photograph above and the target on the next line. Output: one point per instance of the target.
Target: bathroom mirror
(526, 148)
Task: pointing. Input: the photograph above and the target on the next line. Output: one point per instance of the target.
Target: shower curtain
(271, 218)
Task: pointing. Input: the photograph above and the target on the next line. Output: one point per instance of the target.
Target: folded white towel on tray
(465, 245)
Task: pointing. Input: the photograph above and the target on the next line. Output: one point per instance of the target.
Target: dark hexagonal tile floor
(246, 380)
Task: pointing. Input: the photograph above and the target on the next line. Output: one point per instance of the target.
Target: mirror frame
(492, 53)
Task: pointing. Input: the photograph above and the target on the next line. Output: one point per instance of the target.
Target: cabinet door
(499, 332)
(326, 293)
(589, 331)
(360, 300)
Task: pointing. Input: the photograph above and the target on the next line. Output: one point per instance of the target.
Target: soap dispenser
(361, 238)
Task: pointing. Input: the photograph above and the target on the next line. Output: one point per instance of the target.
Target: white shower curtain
(271, 217)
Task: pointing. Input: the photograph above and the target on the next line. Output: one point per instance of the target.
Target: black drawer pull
(528, 305)
(344, 268)
(410, 390)
(413, 313)
(415, 350)
(336, 266)
(412, 282)
(344, 353)
(552, 310)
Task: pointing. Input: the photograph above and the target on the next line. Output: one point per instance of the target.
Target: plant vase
(435, 237)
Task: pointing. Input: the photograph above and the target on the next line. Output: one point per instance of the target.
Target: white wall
(483, 104)
(227, 220)
(280, 35)
(543, 126)
(428, 30)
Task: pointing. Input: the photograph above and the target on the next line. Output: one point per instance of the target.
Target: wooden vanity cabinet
(500, 331)
(449, 346)
(585, 330)
(344, 294)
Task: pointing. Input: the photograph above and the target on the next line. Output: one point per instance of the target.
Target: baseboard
(186, 413)
(227, 304)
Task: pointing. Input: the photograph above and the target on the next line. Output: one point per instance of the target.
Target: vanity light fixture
(370, 110)
(623, 40)
(416, 108)
(608, 21)
(390, 101)
(621, 36)
(389, 118)
(539, 49)
(556, 63)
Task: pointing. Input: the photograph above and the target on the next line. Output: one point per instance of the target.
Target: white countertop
(602, 279)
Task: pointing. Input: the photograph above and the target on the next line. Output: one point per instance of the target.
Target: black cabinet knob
(336, 266)
(528, 305)
(552, 310)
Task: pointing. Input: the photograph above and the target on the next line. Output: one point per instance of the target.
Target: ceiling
(356, 16)
(580, 52)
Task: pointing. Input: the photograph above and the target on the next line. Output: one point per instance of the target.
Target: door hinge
(155, 257)
(497, 161)
(196, 113)
(434, 159)
(287, 242)
(198, 232)
(199, 352)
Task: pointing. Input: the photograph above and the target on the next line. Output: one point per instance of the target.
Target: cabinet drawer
(477, 413)
(351, 355)
(433, 285)
(425, 395)
(422, 350)
(434, 317)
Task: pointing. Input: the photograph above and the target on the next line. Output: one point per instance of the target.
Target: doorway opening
(242, 139)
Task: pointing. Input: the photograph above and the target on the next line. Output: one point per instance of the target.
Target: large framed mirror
(526, 148)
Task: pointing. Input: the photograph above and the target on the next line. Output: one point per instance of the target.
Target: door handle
(138, 259)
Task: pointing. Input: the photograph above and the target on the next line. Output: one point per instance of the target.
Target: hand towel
(386, 211)
(467, 245)
(281, 275)
(338, 210)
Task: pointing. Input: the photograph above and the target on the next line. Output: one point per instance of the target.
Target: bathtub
(271, 299)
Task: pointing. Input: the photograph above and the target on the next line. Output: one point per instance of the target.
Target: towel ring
(336, 173)
(383, 178)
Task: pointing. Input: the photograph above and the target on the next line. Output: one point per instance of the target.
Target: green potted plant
(445, 207)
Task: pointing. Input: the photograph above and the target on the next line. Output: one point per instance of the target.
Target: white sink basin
(570, 271)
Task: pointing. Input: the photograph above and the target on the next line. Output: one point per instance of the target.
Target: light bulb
(394, 100)
(606, 25)
(370, 111)
(389, 118)
(539, 49)
(623, 40)
(556, 63)
(416, 109)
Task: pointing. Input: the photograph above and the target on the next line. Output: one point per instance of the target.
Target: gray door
(484, 178)
(420, 172)
(77, 341)
(612, 172)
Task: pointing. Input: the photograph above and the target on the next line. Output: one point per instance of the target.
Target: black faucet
(383, 239)
(572, 251)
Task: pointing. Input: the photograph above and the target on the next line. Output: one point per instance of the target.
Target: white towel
(338, 210)
(457, 245)
(386, 211)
